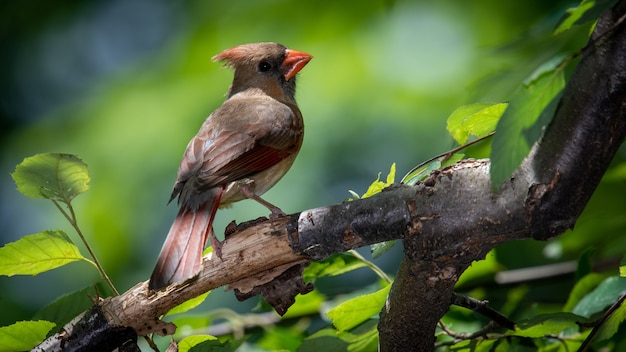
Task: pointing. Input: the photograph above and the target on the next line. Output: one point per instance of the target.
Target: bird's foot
(276, 212)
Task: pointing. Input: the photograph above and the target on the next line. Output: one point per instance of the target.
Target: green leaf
(334, 265)
(587, 10)
(308, 304)
(362, 338)
(67, 307)
(582, 287)
(379, 249)
(23, 335)
(523, 121)
(612, 324)
(279, 338)
(378, 185)
(327, 340)
(480, 271)
(546, 324)
(59, 177)
(622, 267)
(359, 309)
(423, 171)
(477, 119)
(34, 254)
(189, 304)
(199, 343)
(603, 296)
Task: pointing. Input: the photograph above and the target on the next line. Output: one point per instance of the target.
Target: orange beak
(294, 62)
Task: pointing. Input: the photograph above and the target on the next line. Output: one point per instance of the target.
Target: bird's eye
(264, 66)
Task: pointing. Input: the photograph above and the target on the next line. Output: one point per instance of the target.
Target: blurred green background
(125, 84)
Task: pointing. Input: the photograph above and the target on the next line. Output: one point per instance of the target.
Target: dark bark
(446, 222)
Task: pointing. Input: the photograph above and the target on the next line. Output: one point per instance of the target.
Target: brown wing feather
(214, 159)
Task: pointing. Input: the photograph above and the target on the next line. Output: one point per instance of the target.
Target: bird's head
(270, 67)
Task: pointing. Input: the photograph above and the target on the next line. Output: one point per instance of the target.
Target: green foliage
(355, 311)
(546, 324)
(601, 297)
(610, 327)
(422, 171)
(65, 308)
(521, 125)
(59, 177)
(477, 120)
(34, 254)
(23, 335)
(377, 186)
(334, 265)
(587, 10)
(189, 304)
(362, 338)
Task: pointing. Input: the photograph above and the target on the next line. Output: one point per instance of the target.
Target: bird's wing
(228, 149)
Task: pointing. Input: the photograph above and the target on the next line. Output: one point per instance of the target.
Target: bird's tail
(181, 255)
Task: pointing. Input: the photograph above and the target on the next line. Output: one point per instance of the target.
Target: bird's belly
(258, 183)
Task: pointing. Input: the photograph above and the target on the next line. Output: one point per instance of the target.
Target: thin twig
(601, 321)
(372, 266)
(481, 307)
(71, 218)
(447, 154)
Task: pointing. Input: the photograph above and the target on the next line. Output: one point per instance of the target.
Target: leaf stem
(371, 265)
(71, 218)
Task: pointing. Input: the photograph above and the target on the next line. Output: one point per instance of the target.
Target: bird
(242, 149)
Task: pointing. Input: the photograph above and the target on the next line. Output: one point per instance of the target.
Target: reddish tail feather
(181, 255)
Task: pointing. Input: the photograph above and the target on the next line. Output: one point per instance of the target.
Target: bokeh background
(124, 84)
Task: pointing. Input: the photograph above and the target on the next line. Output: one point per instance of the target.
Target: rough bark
(446, 222)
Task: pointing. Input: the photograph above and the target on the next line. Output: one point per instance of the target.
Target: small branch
(458, 337)
(372, 266)
(482, 308)
(71, 218)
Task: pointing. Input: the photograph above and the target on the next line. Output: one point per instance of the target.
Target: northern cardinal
(242, 149)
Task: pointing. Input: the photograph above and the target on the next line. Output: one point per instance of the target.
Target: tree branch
(544, 197)
(446, 222)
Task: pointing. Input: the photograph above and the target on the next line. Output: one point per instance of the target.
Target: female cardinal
(242, 149)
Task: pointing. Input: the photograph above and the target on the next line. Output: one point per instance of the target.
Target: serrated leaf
(587, 10)
(59, 177)
(334, 265)
(34, 254)
(601, 297)
(546, 324)
(355, 311)
(522, 123)
(189, 304)
(477, 119)
(23, 335)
